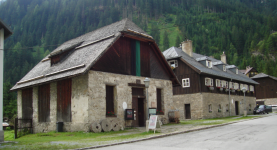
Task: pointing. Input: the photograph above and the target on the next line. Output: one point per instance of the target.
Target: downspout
(229, 100)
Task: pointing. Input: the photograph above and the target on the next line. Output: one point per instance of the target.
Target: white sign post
(153, 122)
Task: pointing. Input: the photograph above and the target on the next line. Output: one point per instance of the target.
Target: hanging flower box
(233, 90)
(221, 89)
(110, 114)
(211, 88)
(226, 90)
(159, 112)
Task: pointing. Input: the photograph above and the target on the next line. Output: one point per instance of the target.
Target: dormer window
(209, 64)
(224, 68)
(237, 71)
(173, 63)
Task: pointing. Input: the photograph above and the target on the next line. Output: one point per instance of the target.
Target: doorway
(187, 111)
(138, 105)
(237, 107)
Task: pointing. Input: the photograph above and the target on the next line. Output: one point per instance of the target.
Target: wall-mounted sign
(152, 111)
(129, 114)
(124, 105)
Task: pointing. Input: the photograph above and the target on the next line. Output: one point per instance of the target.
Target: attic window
(173, 63)
(185, 82)
(209, 64)
(224, 68)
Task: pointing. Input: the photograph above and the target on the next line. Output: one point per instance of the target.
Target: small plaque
(137, 81)
(129, 114)
(124, 105)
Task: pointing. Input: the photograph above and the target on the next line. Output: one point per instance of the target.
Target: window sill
(111, 116)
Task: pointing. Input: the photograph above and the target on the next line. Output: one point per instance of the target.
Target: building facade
(90, 78)
(210, 87)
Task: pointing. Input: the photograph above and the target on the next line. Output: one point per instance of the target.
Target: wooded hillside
(241, 28)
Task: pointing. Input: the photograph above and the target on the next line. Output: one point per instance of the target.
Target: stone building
(91, 77)
(249, 71)
(210, 87)
(266, 91)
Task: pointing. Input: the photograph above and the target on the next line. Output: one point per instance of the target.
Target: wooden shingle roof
(88, 49)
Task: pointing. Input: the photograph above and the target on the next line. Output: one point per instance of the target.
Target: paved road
(258, 134)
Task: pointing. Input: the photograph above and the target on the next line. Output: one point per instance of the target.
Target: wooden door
(187, 111)
(237, 107)
(140, 113)
(135, 122)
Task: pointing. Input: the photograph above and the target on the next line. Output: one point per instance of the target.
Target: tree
(165, 41)
(178, 41)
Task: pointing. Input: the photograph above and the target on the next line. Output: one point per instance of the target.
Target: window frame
(175, 63)
(209, 64)
(224, 68)
(109, 98)
(185, 80)
(210, 82)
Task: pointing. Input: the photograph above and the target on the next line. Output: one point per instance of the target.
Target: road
(257, 134)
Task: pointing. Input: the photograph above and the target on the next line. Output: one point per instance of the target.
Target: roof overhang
(7, 31)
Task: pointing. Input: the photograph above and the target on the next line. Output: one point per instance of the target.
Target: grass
(67, 140)
(216, 121)
(73, 140)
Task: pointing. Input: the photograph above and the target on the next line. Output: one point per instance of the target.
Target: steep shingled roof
(91, 46)
(175, 52)
(263, 75)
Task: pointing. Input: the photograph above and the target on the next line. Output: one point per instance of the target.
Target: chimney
(223, 58)
(187, 47)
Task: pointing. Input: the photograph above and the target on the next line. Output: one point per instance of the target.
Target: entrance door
(237, 107)
(138, 106)
(187, 111)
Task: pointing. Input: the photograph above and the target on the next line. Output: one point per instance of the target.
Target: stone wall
(200, 102)
(269, 101)
(123, 93)
(195, 101)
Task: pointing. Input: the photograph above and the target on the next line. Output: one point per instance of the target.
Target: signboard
(153, 122)
(152, 111)
(129, 114)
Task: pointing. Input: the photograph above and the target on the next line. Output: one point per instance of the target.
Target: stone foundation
(199, 105)
(269, 101)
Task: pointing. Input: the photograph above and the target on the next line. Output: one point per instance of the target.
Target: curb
(167, 134)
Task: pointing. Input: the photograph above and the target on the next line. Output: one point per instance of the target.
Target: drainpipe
(229, 99)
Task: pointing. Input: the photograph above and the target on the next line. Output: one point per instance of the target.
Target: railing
(22, 127)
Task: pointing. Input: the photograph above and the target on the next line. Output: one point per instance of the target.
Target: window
(244, 85)
(186, 82)
(231, 85)
(224, 68)
(236, 86)
(237, 71)
(249, 107)
(251, 88)
(44, 103)
(27, 103)
(219, 108)
(210, 108)
(218, 83)
(209, 64)
(159, 101)
(173, 63)
(110, 100)
(209, 82)
(227, 107)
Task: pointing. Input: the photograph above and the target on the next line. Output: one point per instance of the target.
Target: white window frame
(209, 64)
(186, 82)
(237, 71)
(217, 83)
(175, 63)
(224, 68)
(224, 84)
(231, 85)
(209, 82)
(236, 86)
(251, 88)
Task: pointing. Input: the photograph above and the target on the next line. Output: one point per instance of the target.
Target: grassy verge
(216, 121)
(67, 140)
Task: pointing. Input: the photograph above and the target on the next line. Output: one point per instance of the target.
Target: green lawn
(66, 140)
(216, 121)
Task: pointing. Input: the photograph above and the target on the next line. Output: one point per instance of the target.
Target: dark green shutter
(138, 58)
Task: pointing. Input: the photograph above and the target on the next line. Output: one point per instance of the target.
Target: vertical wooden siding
(145, 59)
(64, 100)
(27, 103)
(184, 71)
(159, 99)
(266, 89)
(121, 59)
(109, 99)
(44, 103)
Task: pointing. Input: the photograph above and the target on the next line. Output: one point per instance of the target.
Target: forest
(244, 29)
